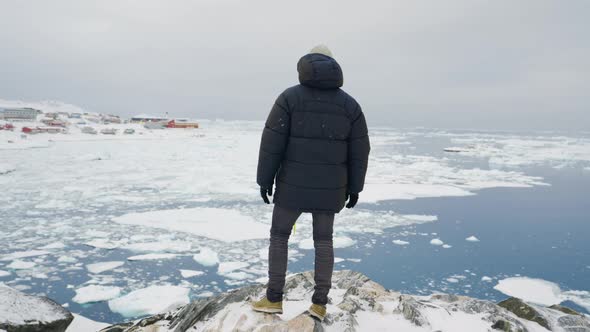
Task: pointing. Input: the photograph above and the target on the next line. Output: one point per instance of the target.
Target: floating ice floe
(206, 257)
(4, 273)
(472, 238)
(191, 273)
(159, 246)
(214, 223)
(338, 242)
(21, 265)
(541, 291)
(150, 300)
(23, 254)
(102, 244)
(101, 267)
(486, 279)
(227, 267)
(400, 242)
(436, 242)
(54, 245)
(151, 257)
(514, 150)
(96, 293)
(67, 259)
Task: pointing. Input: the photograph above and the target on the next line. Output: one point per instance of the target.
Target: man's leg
(323, 225)
(282, 223)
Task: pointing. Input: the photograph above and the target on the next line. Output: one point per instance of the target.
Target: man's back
(316, 139)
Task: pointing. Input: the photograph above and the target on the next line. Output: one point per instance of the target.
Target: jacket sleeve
(358, 153)
(274, 142)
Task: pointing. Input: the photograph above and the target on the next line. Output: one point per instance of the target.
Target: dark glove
(264, 192)
(352, 200)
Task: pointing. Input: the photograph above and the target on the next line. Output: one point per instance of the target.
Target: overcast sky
(458, 64)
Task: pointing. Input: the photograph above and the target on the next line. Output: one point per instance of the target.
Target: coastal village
(31, 121)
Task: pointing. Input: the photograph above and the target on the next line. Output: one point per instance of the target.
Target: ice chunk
(159, 246)
(472, 238)
(191, 273)
(215, 223)
(400, 242)
(20, 265)
(54, 245)
(206, 257)
(150, 301)
(227, 267)
(4, 274)
(95, 293)
(343, 242)
(339, 242)
(541, 291)
(306, 244)
(97, 268)
(102, 244)
(436, 242)
(23, 254)
(447, 246)
(486, 279)
(151, 257)
(67, 259)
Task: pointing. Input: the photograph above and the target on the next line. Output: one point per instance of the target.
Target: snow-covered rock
(27, 313)
(359, 304)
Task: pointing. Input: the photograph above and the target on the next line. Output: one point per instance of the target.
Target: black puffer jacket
(315, 141)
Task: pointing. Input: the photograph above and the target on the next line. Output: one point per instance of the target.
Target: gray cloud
(469, 63)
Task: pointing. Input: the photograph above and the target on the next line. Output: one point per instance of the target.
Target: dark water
(540, 232)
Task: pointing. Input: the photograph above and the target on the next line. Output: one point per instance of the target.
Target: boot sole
(268, 310)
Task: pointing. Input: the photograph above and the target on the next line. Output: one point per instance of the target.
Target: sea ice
(20, 265)
(150, 300)
(436, 242)
(151, 257)
(227, 267)
(97, 268)
(343, 242)
(4, 273)
(215, 223)
(102, 244)
(23, 254)
(541, 291)
(472, 238)
(191, 273)
(163, 245)
(206, 257)
(400, 242)
(96, 293)
(54, 245)
(486, 279)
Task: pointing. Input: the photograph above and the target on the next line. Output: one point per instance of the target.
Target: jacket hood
(319, 71)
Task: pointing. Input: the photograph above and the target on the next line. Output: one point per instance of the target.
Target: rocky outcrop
(523, 310)
(20, 312)
(359, 304)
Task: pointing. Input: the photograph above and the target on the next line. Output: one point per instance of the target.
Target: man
(315, 142)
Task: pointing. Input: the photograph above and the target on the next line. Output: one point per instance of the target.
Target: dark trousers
(282, 224)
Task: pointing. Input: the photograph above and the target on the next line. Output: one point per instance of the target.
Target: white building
(22, 114)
